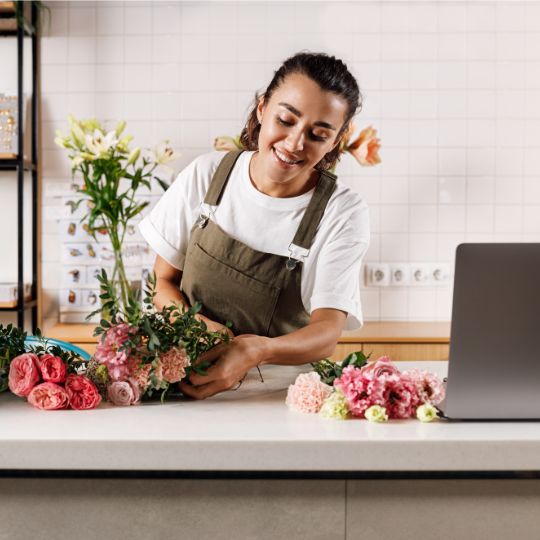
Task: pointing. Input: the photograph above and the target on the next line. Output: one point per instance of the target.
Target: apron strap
(315, 210)
(220, 178)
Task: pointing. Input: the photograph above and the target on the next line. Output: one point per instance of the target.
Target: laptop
(494, 362)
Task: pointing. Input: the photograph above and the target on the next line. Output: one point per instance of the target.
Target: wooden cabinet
(398, 340)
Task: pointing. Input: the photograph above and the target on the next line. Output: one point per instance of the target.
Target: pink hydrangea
(109, 353)
(361, 389)
(174, 363)
(429, 387)
(308, 393)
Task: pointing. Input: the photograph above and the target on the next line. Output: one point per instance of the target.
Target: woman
(266, 238)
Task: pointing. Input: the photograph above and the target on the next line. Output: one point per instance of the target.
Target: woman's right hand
(214, 326)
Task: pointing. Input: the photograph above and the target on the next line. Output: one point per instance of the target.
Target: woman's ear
(261, 106)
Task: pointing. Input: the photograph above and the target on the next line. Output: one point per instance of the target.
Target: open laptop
(494, 362)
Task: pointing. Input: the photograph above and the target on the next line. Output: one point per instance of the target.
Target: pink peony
(383, 365)
(48, 396)
(401, 398)
(361, 389)
(308, 393)
(24, 374)
(174, 363)
(108, 351)
(124, 393)
(82, 393)
(52, 368)
(429, 387)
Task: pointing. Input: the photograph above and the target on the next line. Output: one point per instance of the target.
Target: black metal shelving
(19, 164)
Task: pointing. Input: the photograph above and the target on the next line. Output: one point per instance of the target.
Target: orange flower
(365, 148)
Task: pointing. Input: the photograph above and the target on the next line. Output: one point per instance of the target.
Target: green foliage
(11, 345)
(330, 370)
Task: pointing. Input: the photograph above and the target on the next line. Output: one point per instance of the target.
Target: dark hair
(331, 74)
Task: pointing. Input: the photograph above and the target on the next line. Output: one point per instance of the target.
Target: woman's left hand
(231, 362)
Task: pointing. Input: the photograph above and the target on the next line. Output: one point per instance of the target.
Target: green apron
(259, 293)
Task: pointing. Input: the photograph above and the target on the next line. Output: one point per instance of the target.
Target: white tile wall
(452, 86)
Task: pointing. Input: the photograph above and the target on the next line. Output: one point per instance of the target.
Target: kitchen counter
(251, 429)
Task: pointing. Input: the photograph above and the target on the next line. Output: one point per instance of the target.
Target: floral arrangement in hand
(375, 391)
(51, 378)
(365, 148)
(143, 351)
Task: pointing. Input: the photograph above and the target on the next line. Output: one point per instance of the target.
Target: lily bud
(119, 128)
(134, 156)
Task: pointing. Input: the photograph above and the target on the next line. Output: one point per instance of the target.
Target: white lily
(99, 144)
(163, 153)
(76, 161)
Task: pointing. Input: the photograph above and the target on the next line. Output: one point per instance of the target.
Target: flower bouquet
(376, 390)
(143, 351)
(51, 378)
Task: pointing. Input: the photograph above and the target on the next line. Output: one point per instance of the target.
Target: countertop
(251, 429)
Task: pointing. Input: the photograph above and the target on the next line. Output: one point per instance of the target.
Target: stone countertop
(251, 429)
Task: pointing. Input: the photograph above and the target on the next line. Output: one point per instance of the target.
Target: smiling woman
(267, 238)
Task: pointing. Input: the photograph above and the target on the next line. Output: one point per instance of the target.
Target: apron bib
(260, 293)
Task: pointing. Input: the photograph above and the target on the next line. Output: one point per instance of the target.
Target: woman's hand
(231, 362)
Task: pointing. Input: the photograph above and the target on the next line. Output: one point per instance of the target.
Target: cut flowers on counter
(376, 391)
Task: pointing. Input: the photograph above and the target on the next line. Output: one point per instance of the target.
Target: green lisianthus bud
(376, 413)
(426, 413)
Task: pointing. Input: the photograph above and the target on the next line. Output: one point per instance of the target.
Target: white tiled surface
(454, 88)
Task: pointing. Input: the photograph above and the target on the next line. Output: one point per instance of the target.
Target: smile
(284, 160)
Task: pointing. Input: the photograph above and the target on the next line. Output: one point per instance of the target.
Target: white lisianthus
(376, 413)
(426, 413)
(99, 144)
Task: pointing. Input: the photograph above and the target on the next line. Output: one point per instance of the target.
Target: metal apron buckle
(300, 252)
(202, 221)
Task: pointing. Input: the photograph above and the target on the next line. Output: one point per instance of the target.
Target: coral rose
(308, 393)
(82, 393)
(53, 368)
(48, 396)
(24, 374)
(124, 393)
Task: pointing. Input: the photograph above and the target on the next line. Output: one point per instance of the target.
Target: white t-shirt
(331, 271)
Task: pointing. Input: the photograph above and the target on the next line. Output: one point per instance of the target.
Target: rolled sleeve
(160, 245)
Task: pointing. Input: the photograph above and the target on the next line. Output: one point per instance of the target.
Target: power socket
(377, 275)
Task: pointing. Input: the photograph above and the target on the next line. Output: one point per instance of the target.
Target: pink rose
(382, 366)
(24, 374)
(82, 393)
(124, 393)
(52, 368)
(48, 396)
(308, 393)
(174, 363)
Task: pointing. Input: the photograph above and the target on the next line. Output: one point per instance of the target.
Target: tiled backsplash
(453, 87)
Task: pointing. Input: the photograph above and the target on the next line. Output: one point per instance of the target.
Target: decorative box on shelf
(9, 293)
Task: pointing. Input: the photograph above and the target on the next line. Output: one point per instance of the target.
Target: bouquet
(143, 351)
(50, 378)
(376, 391)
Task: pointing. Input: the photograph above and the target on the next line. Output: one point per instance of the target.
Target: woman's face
(299, 125)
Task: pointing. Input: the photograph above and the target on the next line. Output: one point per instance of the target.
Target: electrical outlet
(421, 274)
(377, 275)
(441, 274)
(400, 274)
